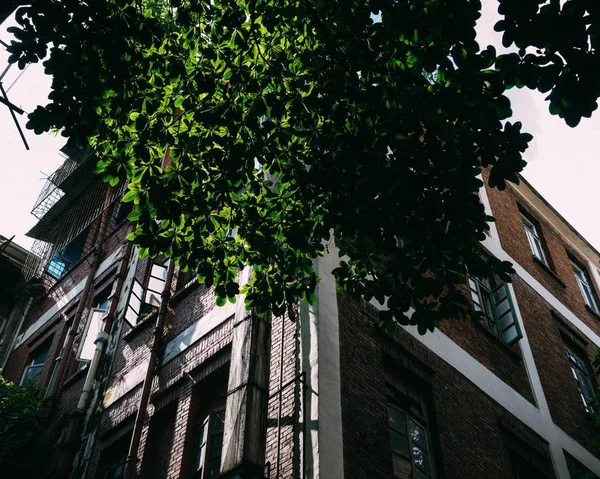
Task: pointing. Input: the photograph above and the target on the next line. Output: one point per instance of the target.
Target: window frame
(203, 451)
(538, 248)
(102, 302)
(404, 402)
(579, 367)
(583, 278)
(32, 364)
(490, 305)
(132, 316)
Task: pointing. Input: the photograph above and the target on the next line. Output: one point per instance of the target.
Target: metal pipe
(280, 396)
(82, 303)
(132, 455)
(101, 343)
(103, 336)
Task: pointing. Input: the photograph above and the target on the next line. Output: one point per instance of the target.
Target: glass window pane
(156, 285)
(420, 459)
(153, 298)
(417, 435)
(135, 303)
(94, 327)
(396, 419)
(159, 271)
(137, 288)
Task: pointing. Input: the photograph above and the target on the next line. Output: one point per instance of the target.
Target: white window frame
(496, 304)
(585, 286)
(202, 452)
(95, 314)
(535, 242)
(583, 377)
(132, 316)
(35, 365)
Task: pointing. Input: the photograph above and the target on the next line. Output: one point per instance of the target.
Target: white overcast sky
(564, 163)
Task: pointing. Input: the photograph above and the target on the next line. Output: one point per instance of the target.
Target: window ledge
(548, 270)
(140, 326)
(515, 353)
(591, 311)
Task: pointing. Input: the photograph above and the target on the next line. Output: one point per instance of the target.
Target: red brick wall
(282, 428)
(465, 422)
(504, 360)
(559, 278)
(547, 345)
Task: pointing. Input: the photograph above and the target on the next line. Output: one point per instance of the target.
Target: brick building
(511, 397)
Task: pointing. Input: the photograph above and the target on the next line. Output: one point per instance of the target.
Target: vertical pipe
(132, 456)
(103, 336)
(51, 399)
(280, 396)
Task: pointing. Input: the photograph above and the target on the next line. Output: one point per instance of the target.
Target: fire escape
(72, 198)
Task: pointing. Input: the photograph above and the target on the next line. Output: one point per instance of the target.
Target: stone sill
(548, 270)
(140, 326)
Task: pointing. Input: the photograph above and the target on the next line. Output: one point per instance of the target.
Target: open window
(496, 304)
(143, 300)
(62, 261)
(585, 286)
(410, 436)
(93, 327)
(37, 361)
(209, 444)
(534, 238)
(582, 374)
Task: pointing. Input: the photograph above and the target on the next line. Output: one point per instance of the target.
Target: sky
(563, 162)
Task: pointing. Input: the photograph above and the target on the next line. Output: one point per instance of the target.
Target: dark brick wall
(547, 333)
(467, 431)
(559, 278)
(504, 360)
(282, 427)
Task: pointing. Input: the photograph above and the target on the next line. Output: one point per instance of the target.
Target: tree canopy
(254, 130)
(22, 430)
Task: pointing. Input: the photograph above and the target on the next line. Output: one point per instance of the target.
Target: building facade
(510, 397)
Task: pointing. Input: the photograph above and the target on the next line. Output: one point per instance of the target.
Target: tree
(253, 130)
(22, 430)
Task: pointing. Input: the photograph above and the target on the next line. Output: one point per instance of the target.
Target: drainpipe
(97, 257)
(101, 341)
(132, 456)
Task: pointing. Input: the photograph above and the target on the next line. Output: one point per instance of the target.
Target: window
(36, 363)
(64, 260)
(535, 242)
(209, 444)
(410, 438)
(585, 286)
(581, 373)
(142, 300)
(93, 328)
(497, 307)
